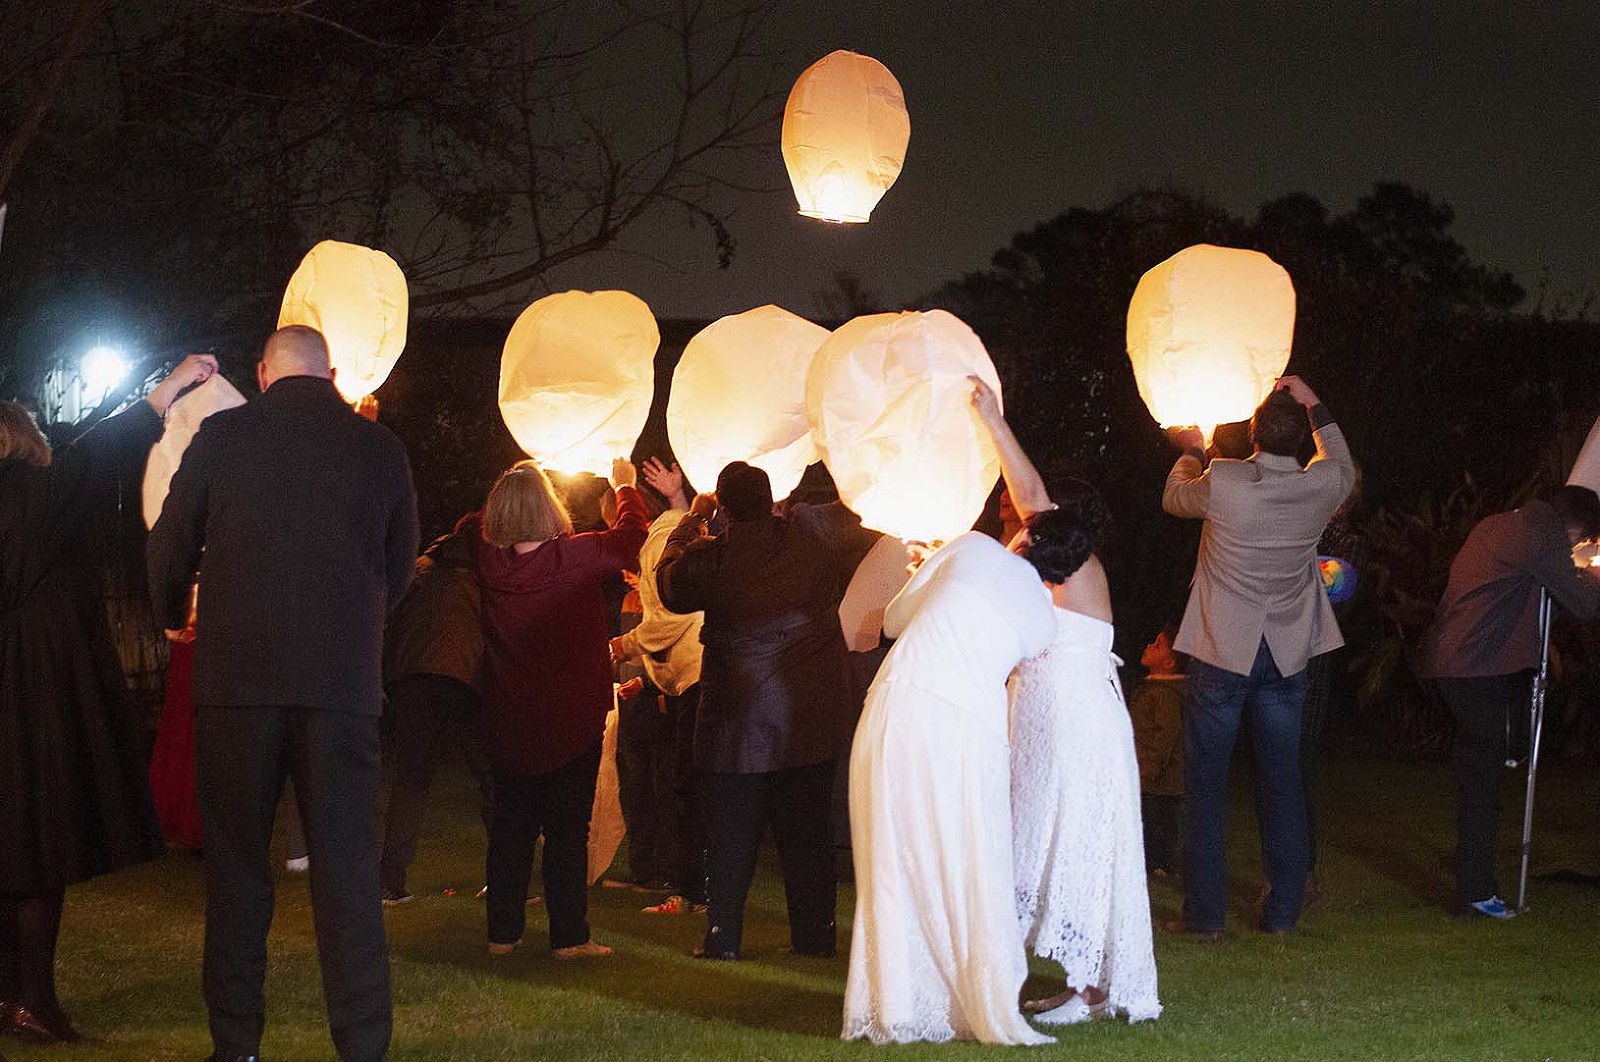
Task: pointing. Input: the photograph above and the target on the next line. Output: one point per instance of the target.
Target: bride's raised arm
(1023, 482)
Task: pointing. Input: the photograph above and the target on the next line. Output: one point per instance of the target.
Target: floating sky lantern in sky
(357, 298)
(182, 421)
(577, 376)
(1209, 332)
(845, 131)
(890, 408)
(739, 394)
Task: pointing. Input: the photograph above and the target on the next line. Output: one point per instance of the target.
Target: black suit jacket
(308, 523)
(774, 680)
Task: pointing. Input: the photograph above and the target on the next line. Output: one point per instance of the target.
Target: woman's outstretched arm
(1023, 482)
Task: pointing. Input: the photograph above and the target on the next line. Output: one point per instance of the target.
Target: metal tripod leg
(1541, 682)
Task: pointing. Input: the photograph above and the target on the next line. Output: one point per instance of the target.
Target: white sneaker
(297, 866)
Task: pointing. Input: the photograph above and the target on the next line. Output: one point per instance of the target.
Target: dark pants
(797, 803)
(556, 804)
(1216, 701)
(1163, 831)
(425, 714)
(1482, 709)
(688, 803)
(243, 755)
(645, 779)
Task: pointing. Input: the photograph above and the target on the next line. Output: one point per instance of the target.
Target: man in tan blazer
(1257, 613)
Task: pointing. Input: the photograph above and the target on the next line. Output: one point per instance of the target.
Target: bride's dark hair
(1060, 540)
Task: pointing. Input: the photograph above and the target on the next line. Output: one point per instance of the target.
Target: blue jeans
(1217, 700)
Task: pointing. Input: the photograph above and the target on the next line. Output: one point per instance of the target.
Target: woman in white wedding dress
(937, 953)
(1078, 842)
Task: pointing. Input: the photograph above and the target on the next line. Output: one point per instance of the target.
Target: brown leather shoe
(51, 1029)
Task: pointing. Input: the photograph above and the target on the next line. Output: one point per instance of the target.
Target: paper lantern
(1209, 332)
(882, 573)
(183, 420)
(356, 297)
(739, 394)
(577, 376)
(1586, 469)
(845, 131)
(890, 409)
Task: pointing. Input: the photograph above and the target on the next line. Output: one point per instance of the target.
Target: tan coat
(1256, 576)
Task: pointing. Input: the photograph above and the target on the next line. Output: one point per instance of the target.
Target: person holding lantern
(300, 516)
(1077, 848)
(64, 701)
(547, 687)
(775, 699)
(1256, 614)
(1482, 646)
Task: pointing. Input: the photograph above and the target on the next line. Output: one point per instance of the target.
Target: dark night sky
(1020, 110)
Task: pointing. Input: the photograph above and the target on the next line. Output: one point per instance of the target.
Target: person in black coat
(307, 518)
(775, 702)
(74, 802)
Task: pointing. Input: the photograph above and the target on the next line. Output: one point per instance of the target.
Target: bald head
(295, 350)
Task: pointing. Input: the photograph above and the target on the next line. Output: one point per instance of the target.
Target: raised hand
(367, 406)
(704, 506)
(623, 474)
(668, 481)
(1187, 438)
(984, 400)
(196, 368)
(1297, 389)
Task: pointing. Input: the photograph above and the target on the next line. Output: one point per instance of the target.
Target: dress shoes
(716, 956)
(40, 1028)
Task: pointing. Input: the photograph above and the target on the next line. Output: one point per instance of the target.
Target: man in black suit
(307, 520)
(775, 704)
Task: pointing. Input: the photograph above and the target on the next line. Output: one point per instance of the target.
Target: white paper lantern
(739, 394)
(882, 573)
(845, 131)
(183, 420)
(1209, 332)
(577, 377)
(1586, 469)
(890, 409)
(357, 298)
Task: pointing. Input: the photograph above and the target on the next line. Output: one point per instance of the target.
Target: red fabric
(172, 765)
(546, 666)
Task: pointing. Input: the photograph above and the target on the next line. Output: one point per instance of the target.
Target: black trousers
(426, 713)
(243, 755)
(688, 800)
(797, 804)
(1482, 708)
(645, 779)
(1163, 832)
(556, 804)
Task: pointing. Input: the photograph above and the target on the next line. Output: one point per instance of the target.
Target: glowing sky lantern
(890, 408)
(845, 131)
(577, 376)
(357, 298)
(1209, 331)
(1586, 469)
(182, 421)
(739, 394)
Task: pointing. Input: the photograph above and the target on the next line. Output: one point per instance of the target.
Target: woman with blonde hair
(74, 803)
(546, 690)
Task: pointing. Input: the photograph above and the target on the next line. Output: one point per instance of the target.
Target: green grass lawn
(1379, 972)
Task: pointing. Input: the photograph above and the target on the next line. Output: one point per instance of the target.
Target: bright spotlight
(103, 368)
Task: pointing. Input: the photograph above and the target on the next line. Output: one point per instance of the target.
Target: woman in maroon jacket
(547, 688)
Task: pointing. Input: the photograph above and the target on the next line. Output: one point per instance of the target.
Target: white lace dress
(936, 953)
(1079, 845)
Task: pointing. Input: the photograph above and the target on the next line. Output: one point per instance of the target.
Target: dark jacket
(1488, 620)
(775, 677)
(308, 522)
(546, 665)
(73, 798)
(437, 629)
